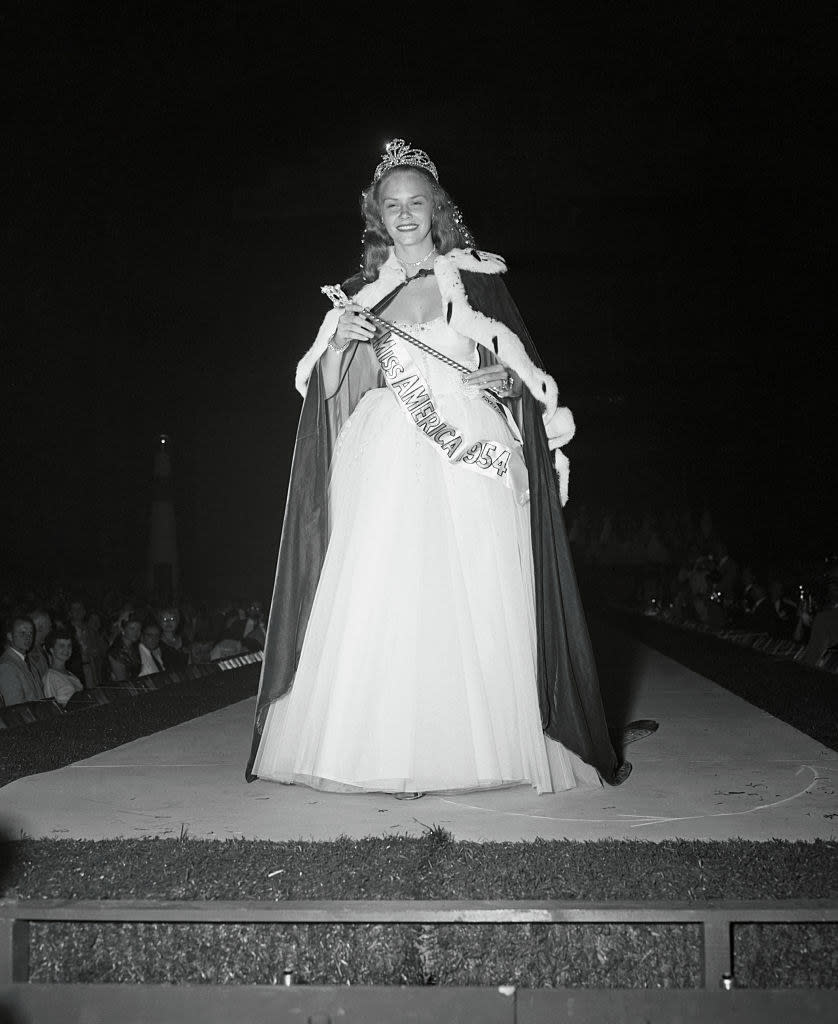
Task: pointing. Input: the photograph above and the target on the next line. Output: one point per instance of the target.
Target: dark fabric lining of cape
(568, 686)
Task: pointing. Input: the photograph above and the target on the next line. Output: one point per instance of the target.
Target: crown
(399, 154)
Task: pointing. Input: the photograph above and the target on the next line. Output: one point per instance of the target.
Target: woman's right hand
(353, 325)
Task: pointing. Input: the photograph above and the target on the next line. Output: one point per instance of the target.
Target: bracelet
(334, 347)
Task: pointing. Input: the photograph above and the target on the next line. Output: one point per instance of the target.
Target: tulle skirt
(418, 668)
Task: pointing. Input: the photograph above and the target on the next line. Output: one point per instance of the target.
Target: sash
(492, 459)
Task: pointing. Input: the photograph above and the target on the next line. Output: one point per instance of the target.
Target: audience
(59, 682)
(674, 564)
(670, 564)
(58, 651)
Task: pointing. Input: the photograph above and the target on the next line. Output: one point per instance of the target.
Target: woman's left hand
(497, 378)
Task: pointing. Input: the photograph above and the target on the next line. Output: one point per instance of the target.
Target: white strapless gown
(418, 669)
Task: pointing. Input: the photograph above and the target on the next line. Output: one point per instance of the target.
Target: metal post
(14, 950)
(718, 955)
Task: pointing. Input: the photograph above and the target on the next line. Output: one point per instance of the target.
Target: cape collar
(392, 271)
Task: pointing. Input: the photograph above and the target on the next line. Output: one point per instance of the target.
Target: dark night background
(184, 177)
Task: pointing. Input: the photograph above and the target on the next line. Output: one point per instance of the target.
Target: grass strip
(803, 697)
(45, 746)
(430, 867)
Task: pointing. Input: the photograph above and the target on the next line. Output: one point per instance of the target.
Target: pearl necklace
(418, 263)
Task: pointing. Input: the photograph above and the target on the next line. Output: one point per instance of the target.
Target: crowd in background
(57, 645)
(675, 564)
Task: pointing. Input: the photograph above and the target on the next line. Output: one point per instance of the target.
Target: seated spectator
(174, 652)
(123, 655)
(729, 581)
(38, 658)
(749, 588)
(225, 616)
(18, 683)
(825, 624)
(151, 655)
(774, 613)
(80, 661)
(229, 642)
(253, 634)
(97, 650)
(59, 683)
(125, 612)
(700, 586)
(227, 647)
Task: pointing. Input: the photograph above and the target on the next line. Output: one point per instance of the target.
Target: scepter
(340, 300)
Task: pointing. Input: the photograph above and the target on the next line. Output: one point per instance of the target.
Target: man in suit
(18, 682)
(152, 659)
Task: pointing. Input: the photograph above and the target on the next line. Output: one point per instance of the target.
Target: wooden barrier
(717, 919)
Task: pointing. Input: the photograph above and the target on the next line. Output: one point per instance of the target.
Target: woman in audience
(59, 683)
(174, 652)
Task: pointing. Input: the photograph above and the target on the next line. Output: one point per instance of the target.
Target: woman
(425, 607)
(59, 683)
(176, 655)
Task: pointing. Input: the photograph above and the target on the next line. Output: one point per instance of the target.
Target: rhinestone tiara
(399, 154)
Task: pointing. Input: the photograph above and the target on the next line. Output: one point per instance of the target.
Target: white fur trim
(563, 470)
(477, 261)
(560, 427)
(309, 360)
(390, 275)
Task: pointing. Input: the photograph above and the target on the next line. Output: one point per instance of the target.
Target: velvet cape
(568, 686)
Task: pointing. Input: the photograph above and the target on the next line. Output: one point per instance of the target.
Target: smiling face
(61, 650)
(406, 201)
